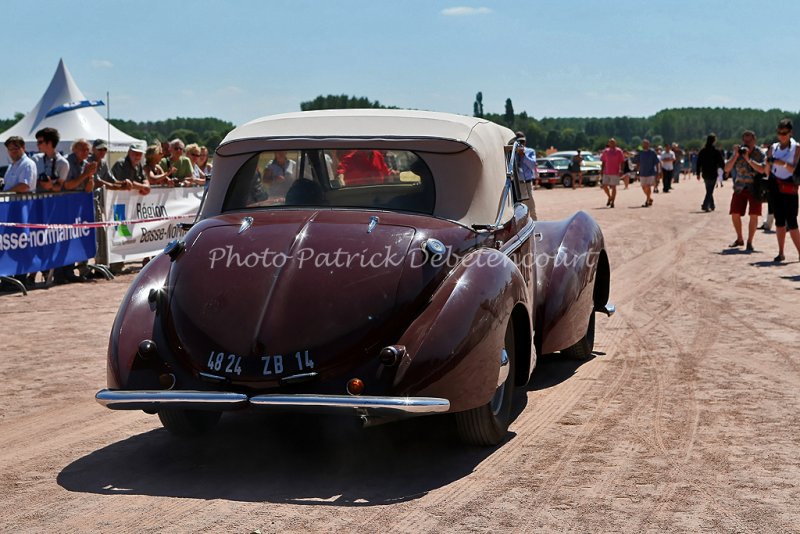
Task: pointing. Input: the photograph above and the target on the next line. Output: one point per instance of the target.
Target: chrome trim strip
(502, 207)
(149, 399)
(411, 405)
(520, 238)
(512, 162)
(212, 378)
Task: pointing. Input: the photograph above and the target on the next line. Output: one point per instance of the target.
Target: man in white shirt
(21, 175)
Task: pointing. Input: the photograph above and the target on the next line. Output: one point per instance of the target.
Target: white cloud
(461, 11)
(102, 64)
(230, 90)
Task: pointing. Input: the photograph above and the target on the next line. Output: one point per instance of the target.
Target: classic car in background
(591, 167)
(547, 173)
(591, 175)
(374, 263)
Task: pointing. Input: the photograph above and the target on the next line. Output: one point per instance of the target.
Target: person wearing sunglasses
(177, 165)
(782, 164)
(198, 176)
(51, 167)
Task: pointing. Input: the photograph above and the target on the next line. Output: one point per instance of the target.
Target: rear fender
(568, 256)
(135, 321)
(453, 348)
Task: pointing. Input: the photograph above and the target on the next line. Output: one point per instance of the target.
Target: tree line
(686, 126)
(206, 131)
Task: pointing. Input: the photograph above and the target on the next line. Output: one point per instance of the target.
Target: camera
(743, 150)
(771, 159)
(43, 177)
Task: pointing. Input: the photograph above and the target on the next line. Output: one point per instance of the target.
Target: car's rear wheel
(488, 424)
(188, 422)
(566, 180)
(583, 348)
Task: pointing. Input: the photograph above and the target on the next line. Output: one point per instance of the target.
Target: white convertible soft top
(465, 154)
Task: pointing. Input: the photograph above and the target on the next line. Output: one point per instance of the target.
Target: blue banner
(27, 250)
(69, 106)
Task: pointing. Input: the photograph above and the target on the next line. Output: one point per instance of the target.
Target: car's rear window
(361, 178)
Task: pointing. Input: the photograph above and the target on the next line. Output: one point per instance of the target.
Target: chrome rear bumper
(219, 400)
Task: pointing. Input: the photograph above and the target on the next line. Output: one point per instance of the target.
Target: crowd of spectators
(86, 168)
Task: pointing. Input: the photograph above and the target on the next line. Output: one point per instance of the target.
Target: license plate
(274, 365)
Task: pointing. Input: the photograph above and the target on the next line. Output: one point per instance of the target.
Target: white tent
(72, 123)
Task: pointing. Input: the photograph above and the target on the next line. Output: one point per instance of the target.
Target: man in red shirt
(612, 158)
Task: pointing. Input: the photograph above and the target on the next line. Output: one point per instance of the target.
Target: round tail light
(355, 386)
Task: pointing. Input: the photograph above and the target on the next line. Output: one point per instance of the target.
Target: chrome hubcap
(502, 378)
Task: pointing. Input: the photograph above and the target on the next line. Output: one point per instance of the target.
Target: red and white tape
(101, 224)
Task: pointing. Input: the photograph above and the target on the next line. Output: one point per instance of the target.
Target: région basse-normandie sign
(127, 242)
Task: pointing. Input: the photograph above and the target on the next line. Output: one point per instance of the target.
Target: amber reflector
(355, 386)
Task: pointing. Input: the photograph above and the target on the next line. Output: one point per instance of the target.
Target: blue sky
(238, 60)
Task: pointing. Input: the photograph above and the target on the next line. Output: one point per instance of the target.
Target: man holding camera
(526, 163)
(51, 167)
(749, 163)
(81, 170)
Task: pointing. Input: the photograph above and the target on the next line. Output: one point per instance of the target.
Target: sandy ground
(685, 420)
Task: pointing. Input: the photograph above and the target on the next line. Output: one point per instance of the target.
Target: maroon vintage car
(547, 174)
(374, 263)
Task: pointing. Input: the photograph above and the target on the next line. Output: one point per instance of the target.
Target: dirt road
(687, 418)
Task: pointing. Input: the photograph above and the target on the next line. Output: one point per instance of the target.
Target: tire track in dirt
(704, 337)
(676, 469)
(656, 441)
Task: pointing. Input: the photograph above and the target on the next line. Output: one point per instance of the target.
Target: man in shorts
(575, 169)
(612, 160)
(648, 163)
(750, 164)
